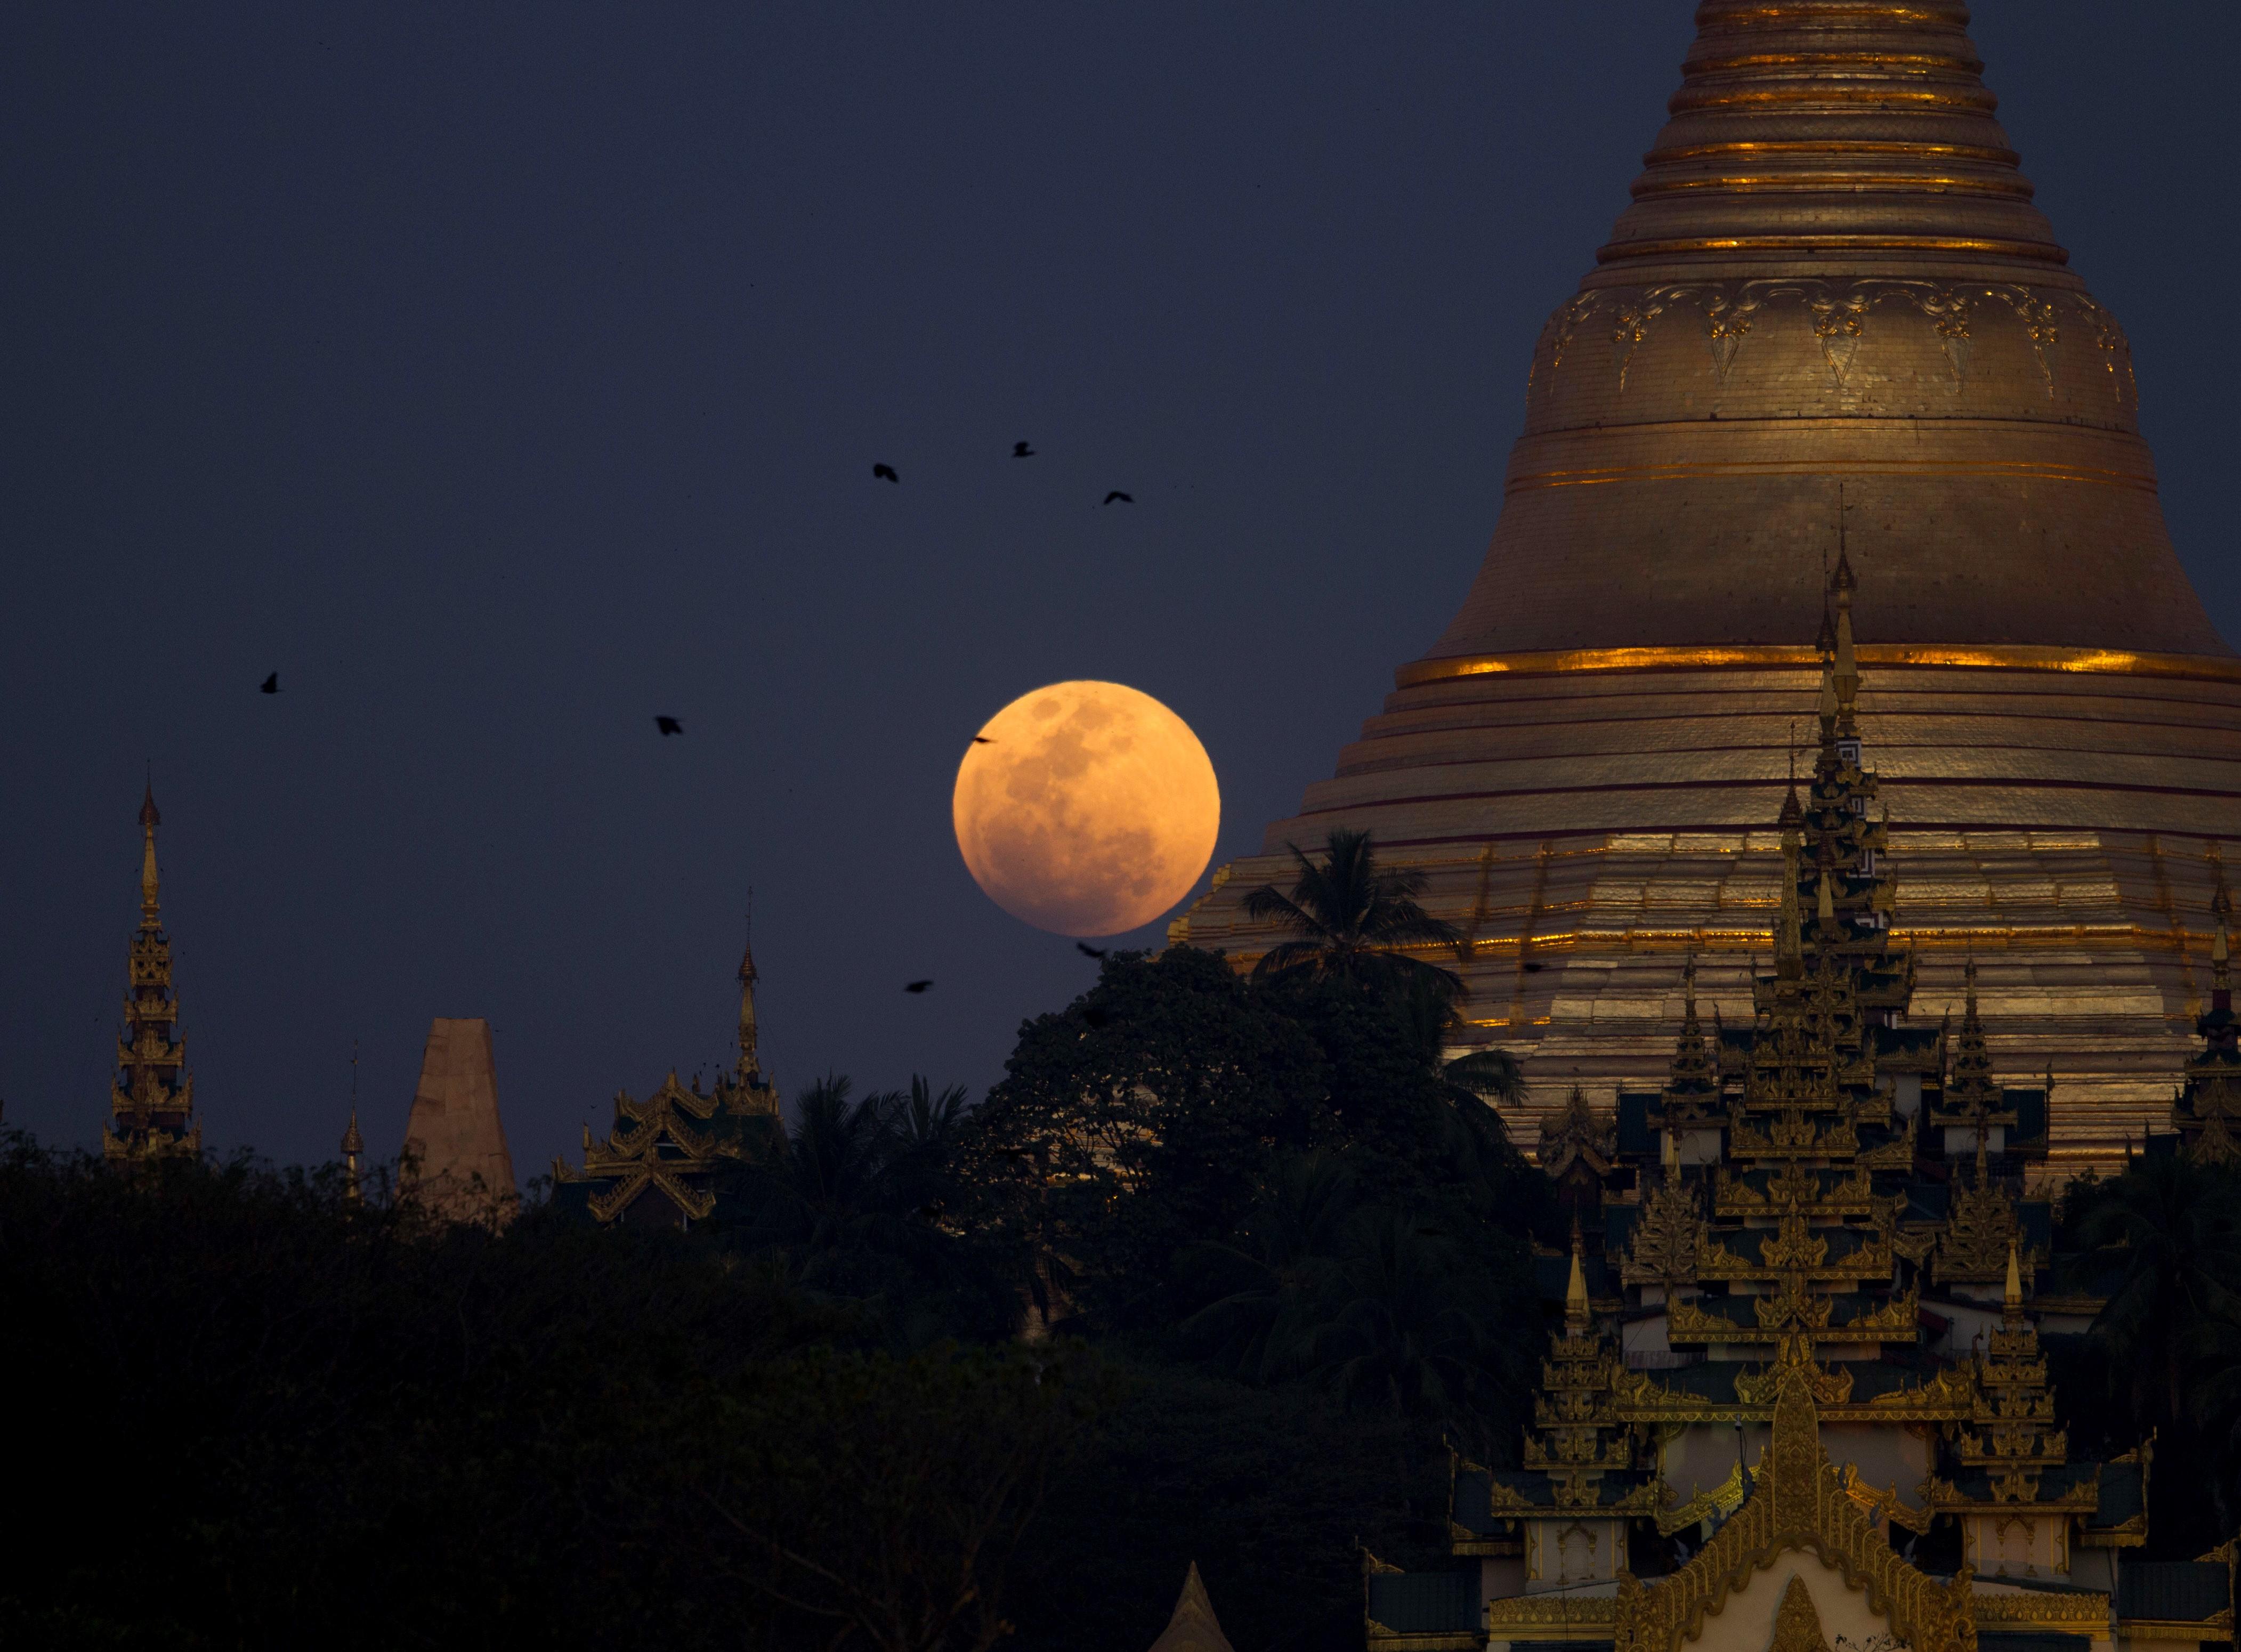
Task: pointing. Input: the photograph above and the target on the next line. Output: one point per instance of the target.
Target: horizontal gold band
(1832, 146)
(1869, 11)
(2013, 186)
(1836, 93)
(2044, 251)
(2019, 470)
(1783, 656)
(1966, 65)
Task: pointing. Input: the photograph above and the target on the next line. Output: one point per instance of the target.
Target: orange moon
(1086, 808)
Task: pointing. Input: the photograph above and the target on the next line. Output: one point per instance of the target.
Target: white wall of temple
(1500, 1576)
(2017, 1545)
(1703, 1455)
(1745, 1621)
(1893, 1457)
(1570, 1553)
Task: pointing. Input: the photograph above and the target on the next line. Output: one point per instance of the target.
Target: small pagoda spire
(749, 1071)
(1789, 941)
(1842, 584)
(151, 1097)
(353, 1143)
(1575, 1291)
(2221, 969)
(150, 881)
(2012, 1299)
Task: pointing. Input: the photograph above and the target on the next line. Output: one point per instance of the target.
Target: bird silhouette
(1020, 450)
(1125, 498)
(1089, 951)
(884, 473)
(669, 725)
(270, 684)
(916, 986)
(983, 739)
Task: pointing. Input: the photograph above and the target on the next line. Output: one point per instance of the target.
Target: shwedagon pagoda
(1830, 317)
(1830, 769)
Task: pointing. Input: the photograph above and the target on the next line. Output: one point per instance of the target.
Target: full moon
(1086, 808)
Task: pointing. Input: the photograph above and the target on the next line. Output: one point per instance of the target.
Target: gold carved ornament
(1799, 1504)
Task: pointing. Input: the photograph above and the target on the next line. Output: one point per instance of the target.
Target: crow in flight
(983, 739)
(1089, 951)
(669, 725)
(916, 986)
(884, 473)
(1125, 498)
(270, 684)
(1020, 450)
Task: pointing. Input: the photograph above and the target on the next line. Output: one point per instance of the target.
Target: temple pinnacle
(1576, 1292)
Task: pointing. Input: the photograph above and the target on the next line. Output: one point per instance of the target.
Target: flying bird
(1089, 951)
(983, 739)
(1020, 450)
(270, 684)
(884, 473)
(669, 725)
(1125, 498)
(916, 986)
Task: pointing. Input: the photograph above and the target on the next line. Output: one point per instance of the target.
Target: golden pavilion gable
(664, 1158)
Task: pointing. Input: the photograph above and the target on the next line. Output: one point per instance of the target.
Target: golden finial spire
(151, 1097)
(353, 1143)
(1845, 677)
(749, 1071)
(2012, 1300)
(149, 883)
(1789, 941)
(1575, 1291)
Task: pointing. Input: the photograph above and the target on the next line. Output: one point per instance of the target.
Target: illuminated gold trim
(2013, 186)
(2043, 251)
(1735, 21)
(1834, 59)
(1783, 656)
(1832, 146)
(2017, 469)
(1863, 91)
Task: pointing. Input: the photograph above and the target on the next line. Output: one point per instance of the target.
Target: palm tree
(1350, 916)
(2169, 1226)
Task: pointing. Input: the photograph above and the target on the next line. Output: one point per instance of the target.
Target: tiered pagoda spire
(2206, 1112)
(151, 1101)
(1784, 1238)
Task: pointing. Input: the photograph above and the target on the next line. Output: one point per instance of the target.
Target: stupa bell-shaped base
(1830, 317)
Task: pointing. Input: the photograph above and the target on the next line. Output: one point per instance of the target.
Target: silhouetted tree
(1350, 917)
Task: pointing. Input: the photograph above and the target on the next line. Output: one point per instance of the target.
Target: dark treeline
(1217, 1273)
(1213, 1274)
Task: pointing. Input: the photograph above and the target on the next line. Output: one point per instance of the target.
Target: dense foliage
(1267, 1251)
(1220, 1273)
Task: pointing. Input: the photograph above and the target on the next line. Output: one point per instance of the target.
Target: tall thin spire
(749, 1070)
(1575, 1291)
(1789, 941)
(150, 882)
(152, 1098)
(353, 1143)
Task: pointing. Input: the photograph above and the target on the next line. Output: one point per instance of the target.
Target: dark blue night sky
(504, 377)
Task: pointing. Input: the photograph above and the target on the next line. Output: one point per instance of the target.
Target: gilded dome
(1831, 317)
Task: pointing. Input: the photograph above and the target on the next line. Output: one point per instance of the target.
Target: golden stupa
(1831, 316)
